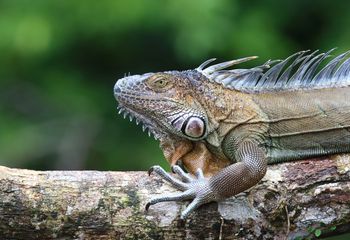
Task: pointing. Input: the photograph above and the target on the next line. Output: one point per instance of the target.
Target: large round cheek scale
(194, 127)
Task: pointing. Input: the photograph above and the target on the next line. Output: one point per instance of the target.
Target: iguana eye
(158, 82)
(194, 127)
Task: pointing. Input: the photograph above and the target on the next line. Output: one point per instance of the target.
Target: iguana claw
(147, 206)
(196, 188)
(150, 171)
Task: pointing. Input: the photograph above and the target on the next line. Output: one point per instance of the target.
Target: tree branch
(295, 199)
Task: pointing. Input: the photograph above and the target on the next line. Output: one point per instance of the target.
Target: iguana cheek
(194, 127)
(191, 126)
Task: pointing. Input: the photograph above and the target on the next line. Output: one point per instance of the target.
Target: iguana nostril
(117, 89)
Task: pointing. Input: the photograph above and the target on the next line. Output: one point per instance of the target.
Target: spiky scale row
(126, 113)
(301, 73)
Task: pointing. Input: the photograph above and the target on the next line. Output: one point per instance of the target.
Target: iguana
(225, 125)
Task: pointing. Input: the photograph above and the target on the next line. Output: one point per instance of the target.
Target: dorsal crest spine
(298, 71)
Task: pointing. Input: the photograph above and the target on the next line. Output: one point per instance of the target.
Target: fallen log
(294, 200)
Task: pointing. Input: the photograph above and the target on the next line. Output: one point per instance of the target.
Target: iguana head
(167, 103)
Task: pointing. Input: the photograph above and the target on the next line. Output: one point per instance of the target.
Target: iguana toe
(197, 188)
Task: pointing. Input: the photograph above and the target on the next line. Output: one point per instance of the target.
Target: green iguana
(225, 126)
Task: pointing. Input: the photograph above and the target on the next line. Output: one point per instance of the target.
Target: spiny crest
(298, 71)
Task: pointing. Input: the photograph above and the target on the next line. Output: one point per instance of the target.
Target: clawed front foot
(196, 188)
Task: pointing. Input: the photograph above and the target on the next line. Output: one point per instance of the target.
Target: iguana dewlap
(193, 155)
(225, 126)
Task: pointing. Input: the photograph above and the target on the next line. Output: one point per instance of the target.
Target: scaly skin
(226, 137)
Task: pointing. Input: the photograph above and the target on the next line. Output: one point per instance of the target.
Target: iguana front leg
(236, 178)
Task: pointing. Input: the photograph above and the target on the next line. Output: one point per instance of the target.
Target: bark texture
(303, 198)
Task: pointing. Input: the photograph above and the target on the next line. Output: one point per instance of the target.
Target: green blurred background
(60, 59)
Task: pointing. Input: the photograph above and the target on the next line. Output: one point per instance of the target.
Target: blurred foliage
(60, 59)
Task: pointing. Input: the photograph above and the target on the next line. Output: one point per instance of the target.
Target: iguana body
(227, 125)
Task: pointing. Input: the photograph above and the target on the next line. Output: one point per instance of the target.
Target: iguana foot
(196, 188)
